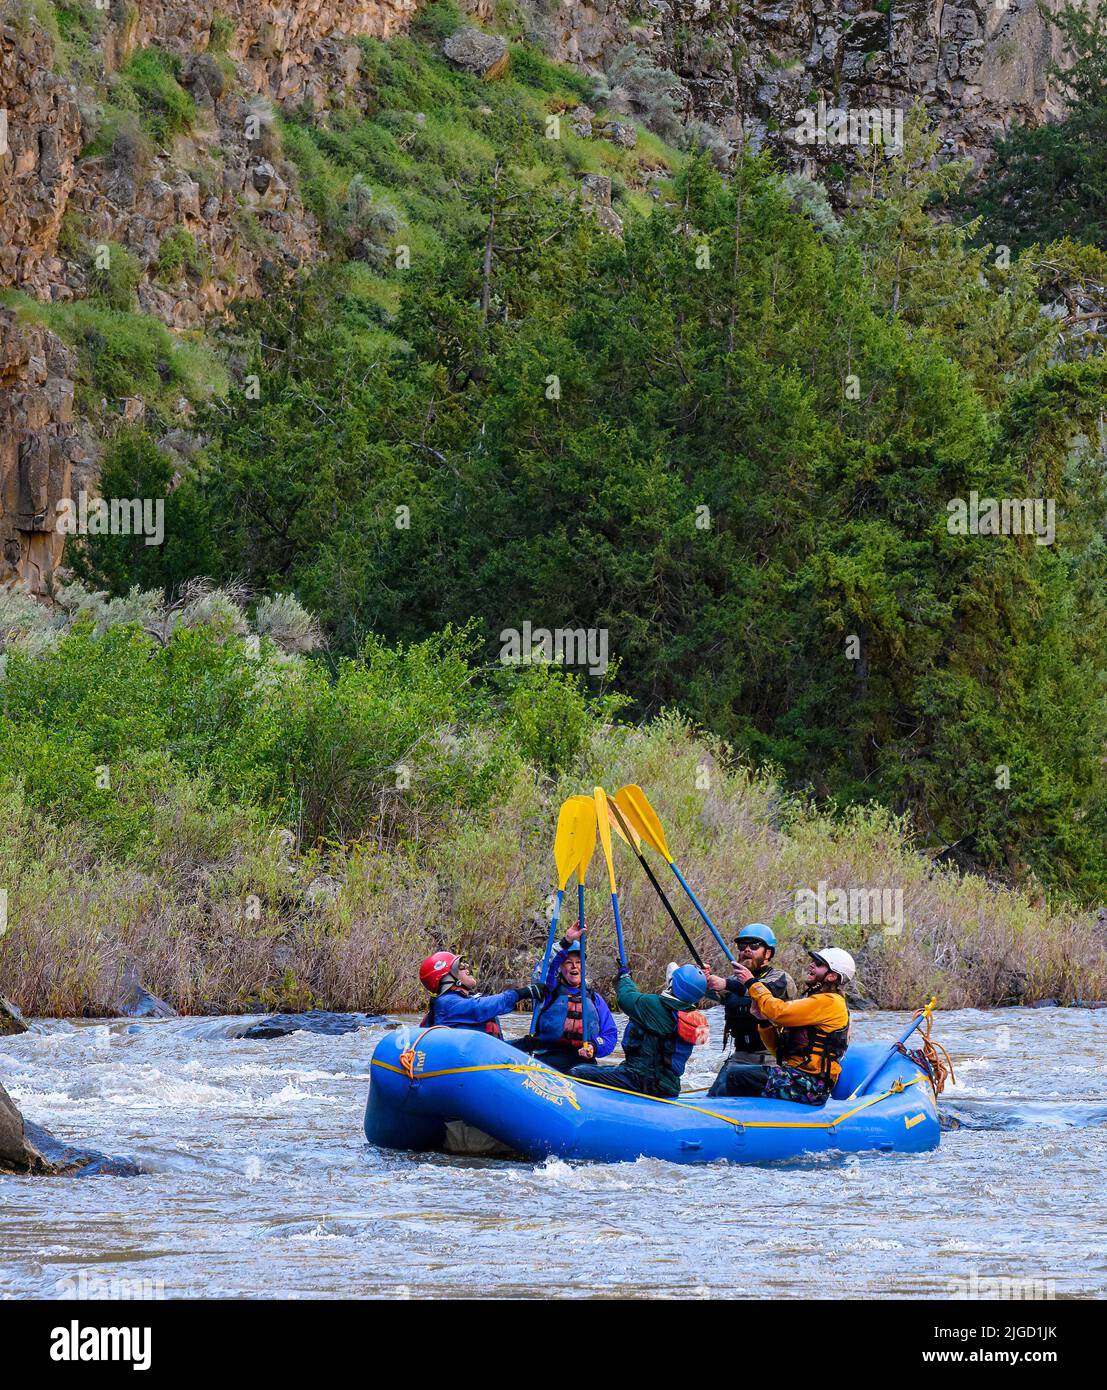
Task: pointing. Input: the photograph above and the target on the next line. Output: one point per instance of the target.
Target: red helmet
(441, 966)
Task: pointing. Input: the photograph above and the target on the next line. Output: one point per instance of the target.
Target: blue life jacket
(552, 1024)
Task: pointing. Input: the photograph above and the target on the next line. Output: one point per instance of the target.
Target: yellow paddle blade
(603, 821)
(575, 840)
(586, 835)
(625, 831)
(639, 814)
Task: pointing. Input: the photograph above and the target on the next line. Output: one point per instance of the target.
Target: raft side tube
(463, 1075)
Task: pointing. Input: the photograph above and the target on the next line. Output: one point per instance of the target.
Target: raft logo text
(77, 1343)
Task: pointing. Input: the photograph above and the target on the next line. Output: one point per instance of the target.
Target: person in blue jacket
(455, 1002)
(562, 1035)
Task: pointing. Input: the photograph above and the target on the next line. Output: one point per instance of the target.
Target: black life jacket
(739, 1024)
(658, 1061)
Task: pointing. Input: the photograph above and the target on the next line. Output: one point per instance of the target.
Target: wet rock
(1043, 1004)
(478, 52)
(138, 1002)
(11, 1020)
(314, 1021)
(64, 1160)
(29, 1149)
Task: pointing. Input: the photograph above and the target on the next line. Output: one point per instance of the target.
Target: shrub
(166, 108)
(114, 275)
(179, 254)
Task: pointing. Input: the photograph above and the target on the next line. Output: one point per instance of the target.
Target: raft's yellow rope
(663, 1100)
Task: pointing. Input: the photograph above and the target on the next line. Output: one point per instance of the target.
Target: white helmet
(834, 958)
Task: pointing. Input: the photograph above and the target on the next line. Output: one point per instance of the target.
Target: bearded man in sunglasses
(756, 947)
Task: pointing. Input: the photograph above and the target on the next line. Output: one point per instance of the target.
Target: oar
(631, 800)
(922, 1017)
(603, 824)
(630, 836)
(574, 842)
(586, 847)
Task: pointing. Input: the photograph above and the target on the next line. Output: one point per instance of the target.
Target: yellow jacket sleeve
(827, 1009)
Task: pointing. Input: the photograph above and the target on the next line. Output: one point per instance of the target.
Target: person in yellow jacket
(808, 1036)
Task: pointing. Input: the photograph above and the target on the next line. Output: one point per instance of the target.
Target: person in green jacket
(659, 1036)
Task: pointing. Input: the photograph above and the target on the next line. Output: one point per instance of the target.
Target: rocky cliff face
(224, 186)
(979, 65)
(748, 65)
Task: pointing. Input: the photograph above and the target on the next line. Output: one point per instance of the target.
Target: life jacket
(658, 1061)
(492, 1026)
(813, 1048)
(739, 1025)
(560, 1020)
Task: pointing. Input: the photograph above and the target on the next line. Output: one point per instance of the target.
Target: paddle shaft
(860, 1091)
(549, 949)
(583, 984)
(657, 887)
(696, 904)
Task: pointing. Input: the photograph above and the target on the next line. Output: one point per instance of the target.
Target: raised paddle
(630, 836)
(585, 850)
(923, 1016)
(603, 824)
(632, 801)
(574, 845)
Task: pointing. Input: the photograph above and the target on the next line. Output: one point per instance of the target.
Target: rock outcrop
(43, 455)
(12, 1022)
(30, 1150)
(979, 67)
(137, 1001)
(41, 139)
(486, 55)
(330, 1025)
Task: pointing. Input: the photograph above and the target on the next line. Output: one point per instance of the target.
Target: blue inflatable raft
(450, 1074)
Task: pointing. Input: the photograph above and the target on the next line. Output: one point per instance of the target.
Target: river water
(261, 1182)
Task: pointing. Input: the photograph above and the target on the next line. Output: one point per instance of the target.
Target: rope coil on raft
(931, 1058)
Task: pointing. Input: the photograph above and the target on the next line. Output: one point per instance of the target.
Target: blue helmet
(573, 948)
(758, 931)
(688, 984)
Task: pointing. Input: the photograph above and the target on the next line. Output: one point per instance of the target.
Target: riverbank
(223, 913)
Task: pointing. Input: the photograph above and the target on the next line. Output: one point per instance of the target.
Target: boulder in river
(138, 1002)
(11, 1020)
(313, 1021)
(27, 1148)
